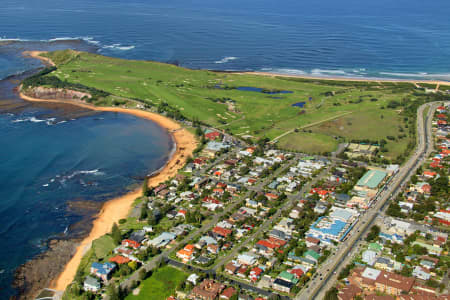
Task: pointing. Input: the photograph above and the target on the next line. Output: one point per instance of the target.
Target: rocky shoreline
(39, 272)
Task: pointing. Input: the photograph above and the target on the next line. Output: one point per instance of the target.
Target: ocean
(59, 163)
(349, 38)
(48, 160)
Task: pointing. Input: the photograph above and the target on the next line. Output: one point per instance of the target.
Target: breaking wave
(119, 47)
(49, 121)
(87, 39)
(225, 60)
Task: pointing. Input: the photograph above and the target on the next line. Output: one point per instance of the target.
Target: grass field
(160, 285)
(213, 98)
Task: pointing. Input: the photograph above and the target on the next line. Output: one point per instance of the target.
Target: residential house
(222, 232)
(130, 243)
(421, 273)
(282, 285)
(91, 284)
(119, 259)
(232, 267)
(228, 293)
(247, 259)
(207, 290)
(255, 274)
(162, 240)
(187, 253)
(102, 270)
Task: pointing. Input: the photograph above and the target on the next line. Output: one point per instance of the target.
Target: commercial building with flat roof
(372, 179)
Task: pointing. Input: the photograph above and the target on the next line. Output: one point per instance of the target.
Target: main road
(328, 272)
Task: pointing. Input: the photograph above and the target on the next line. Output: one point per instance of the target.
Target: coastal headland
(118, 208)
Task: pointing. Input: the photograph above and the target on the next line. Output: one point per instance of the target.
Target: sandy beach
(118, 208)
(37, 55)
(440, 82)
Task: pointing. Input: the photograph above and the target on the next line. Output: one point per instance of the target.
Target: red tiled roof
(119, 259)
(312, 240)
(228, 292)
(276, 241)
(268, 244)
(131, 243)
(221, 185)
(198, 161)
(256, 271)
(297, 272)
(209, 199)
(212, 135)
(270, 195)
(222, 231)
(428, 173)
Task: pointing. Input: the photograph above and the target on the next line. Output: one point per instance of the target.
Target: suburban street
(268, 223)
(327, 274)
(154, 262)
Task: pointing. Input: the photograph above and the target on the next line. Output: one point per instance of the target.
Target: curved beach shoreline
(337, 78)
(118, 208)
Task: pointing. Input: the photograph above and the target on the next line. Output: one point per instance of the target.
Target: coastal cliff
(55, 93)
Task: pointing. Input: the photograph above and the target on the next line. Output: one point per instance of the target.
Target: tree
(133, 265)
(198, 131)
(145, 191)
(115, 234)
(151, 219)
(112, 292)
(331, 294)
(373, 234)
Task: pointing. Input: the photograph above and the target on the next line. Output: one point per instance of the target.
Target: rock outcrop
(53, 93)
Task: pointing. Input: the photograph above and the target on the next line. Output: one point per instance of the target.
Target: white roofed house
(247, 259)
(162, 240)
(290, 188)
(369, 257)
(286, 225)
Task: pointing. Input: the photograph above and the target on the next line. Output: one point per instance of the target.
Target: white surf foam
(118, 47)
(441, 76)
(285, 71)
(87, 39)
(225, 60)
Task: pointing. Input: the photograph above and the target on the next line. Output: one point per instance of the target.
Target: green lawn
(160, 285)
(195, 94)
(308, 142)
(103, 246)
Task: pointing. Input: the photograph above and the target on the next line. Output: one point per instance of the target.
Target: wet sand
(37, 54)
(118, 208)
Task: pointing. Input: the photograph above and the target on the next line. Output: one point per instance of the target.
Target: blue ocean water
(46, 162)
(385, 38)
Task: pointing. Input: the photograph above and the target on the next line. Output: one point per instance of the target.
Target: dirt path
(309, 125)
